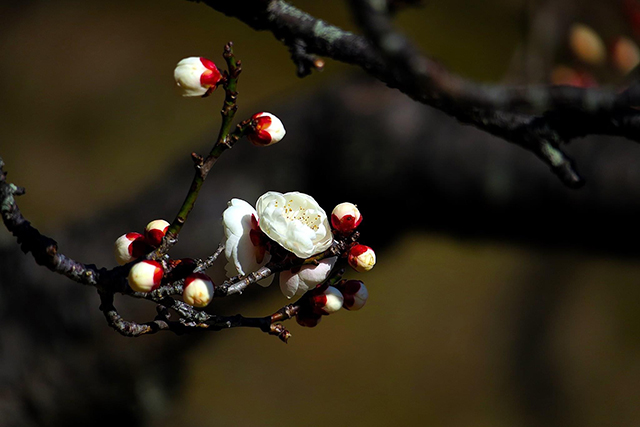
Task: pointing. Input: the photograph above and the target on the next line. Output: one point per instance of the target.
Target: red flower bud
(155, 231)
(145, 276)
(198, 290)
(196, 76)
(130, 246)
(327, 301)
(345, 217)
(269, 130)
(355, 294)
(361, 258)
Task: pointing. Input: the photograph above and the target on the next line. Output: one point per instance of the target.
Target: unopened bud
(145, 276)
(625, 54)
(308, 319)
(345, 217)
(327, 302)
(198, 290)
(586, 44)
(130, 246)
(196, 76)
(269, 130)
(362, 258)
(355, 294)
(155, 231)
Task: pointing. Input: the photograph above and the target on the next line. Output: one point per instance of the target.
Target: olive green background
(89, 108)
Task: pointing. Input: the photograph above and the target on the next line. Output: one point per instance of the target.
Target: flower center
(307, 217)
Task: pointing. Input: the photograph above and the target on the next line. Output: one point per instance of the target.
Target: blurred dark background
(500, 297)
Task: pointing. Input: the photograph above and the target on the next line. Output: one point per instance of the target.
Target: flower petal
(306, 278)
(295, 221)
(240, 251)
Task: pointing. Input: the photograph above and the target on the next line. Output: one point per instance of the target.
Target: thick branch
(43, 248)
(521, 115)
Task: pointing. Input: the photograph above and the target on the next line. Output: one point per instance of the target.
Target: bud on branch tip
(196, 76)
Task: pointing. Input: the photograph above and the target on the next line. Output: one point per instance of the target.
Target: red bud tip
(269, 130)
(155, 231)
(345, 218)
(361, 258)
(145, 276)
(198, 290)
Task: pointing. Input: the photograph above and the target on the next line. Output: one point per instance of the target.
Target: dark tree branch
(537, 118)
(43, 248)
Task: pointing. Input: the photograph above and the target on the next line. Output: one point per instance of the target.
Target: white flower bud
(196, 76)
(128, 247)
(198, 290)
(345, 217)
(269, 130)
(145, 276)
(362, 258)
(155, 231)
(355, 294)
(327, 302)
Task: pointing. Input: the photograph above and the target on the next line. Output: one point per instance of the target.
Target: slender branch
(204, 265)
(224, 141)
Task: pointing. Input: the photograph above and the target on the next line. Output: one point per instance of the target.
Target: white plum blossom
(295, 221)
(301, 279)
(243, 246)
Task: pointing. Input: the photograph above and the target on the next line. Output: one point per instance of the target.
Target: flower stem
(225, 140)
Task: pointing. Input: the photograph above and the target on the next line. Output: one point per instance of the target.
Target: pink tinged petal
(289, 283)
(301, 279)
(313, 275)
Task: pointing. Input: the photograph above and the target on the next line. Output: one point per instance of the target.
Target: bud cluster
(325, 300)
(131, 246)
(147, 275)
(352, 295)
